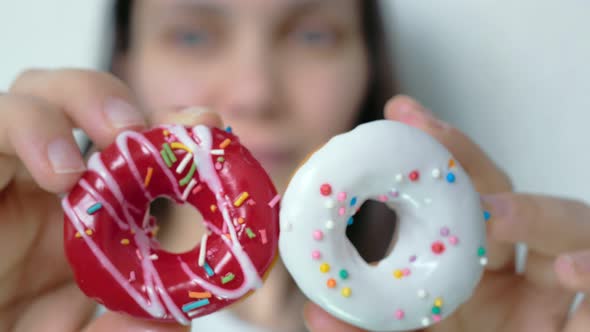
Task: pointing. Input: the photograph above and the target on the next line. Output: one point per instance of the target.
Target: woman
(286, 75)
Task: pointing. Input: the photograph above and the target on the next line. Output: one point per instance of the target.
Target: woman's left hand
(556, 231)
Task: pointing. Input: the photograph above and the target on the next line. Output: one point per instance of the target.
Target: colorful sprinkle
(166, 158)
(218, 166)
(165, 132)
(263, 236)
(453, 240)
(325, 189)
(274, 201)
(350, 221)
(148, 177)
(346, 292)
(353, 201)
(325, 268)
(241, 199)
(406, 272)
(194, 305)
(341, 196)
(451, 163)
(487, 215)
(77, 235)
(400, 314)
(413, 258)
(169, 153)
(399, 178)
(241, 220)
(425, 321)
(414, 176)
(343, 274)
(189, 175)
(208, 269)
(436, 310)
(331, 283)
(197, 189)
(438, 247)
(444, 231)
(451, 177)
(483, 261)
(178, 145)
(199, 295)
(318, 235)
(228, 129)
(227, 278)
(329, 204)
(213, 208)
(436, 173)
(329, 224)
(394, 193)
(89, 232)
(438, 302)
(225, 143)
(341, 211)
(125, 242)
(220, 159)
(316, 255)
(383, 198)
(481, 251)
(95, 207)
(187, 158)
(250, 234)
(436, 318)
(398, 274)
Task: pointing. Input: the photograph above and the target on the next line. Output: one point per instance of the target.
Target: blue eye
(193, 38)
(315, 37)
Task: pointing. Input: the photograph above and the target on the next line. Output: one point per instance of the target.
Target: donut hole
(180, 226)
(373, 232)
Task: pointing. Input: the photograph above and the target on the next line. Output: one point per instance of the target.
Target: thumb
(317, 320)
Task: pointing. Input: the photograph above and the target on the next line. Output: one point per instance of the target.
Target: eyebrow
(218, 8)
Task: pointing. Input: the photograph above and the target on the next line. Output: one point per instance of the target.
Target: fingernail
(565, 265)
(121, 114)
(496, 206)
(415, 114)
(64, 157)
(581, 262)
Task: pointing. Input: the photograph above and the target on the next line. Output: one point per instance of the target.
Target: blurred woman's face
(286, 75)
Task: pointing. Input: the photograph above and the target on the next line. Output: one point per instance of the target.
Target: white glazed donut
(439, 256)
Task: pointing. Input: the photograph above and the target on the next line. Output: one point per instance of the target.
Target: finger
(486, 176)
(573, 270)
(98, 103)
(548, 225)
(41, 137)
(580, 320)
(191, 116)
(317, 320)
(115, 322)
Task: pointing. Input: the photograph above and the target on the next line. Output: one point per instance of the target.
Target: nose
(251, 85)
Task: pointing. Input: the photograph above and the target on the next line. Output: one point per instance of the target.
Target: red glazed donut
(109, 234)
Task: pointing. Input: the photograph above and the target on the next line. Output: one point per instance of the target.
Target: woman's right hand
(39, 160)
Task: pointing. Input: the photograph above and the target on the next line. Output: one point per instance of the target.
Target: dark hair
(377, 226)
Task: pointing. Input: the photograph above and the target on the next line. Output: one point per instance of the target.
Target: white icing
(367, 163)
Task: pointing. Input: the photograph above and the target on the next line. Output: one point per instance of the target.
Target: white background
(515, 75)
